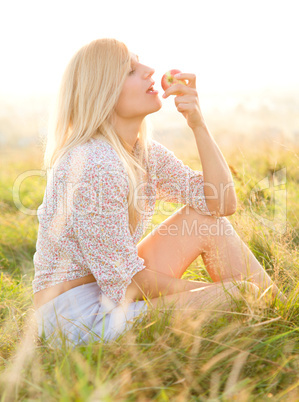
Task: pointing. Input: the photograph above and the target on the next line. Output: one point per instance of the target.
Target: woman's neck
(128, 130)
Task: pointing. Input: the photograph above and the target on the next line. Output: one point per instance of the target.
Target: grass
(249, 354)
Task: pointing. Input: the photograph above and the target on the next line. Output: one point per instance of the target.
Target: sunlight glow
(229, 45)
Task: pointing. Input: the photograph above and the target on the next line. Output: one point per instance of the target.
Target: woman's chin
(155, 106)
(159, 106)
(155, 110)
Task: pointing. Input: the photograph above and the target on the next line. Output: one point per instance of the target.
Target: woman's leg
(214, 296)
(185, 235)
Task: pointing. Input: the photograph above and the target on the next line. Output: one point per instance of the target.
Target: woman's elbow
(229, 211)
(223, 209)
(230, 203)
(230, 207)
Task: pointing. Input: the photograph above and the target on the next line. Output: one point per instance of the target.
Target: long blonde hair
(89, 90)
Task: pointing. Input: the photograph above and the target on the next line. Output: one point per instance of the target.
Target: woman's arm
(100, 223)
(152, 284)
(177, 182)
(219, 187)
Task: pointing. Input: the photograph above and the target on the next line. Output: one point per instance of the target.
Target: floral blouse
(84, 221)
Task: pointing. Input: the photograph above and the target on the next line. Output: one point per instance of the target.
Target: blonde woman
(93, 275)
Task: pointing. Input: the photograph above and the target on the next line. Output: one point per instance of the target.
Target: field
(250, 354)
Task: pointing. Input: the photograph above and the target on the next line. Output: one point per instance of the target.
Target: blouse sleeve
(177, 182)
(101, 224)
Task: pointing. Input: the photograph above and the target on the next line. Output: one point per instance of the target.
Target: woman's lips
(152, 91)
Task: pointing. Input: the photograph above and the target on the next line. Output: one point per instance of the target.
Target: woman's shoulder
(93, 153)
(103, 153)
(158, 150)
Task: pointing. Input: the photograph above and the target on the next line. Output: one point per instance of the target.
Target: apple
(168, 79)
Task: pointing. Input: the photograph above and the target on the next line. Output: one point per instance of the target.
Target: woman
(106, 173)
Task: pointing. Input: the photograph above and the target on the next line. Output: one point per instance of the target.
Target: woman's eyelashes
(134, 66)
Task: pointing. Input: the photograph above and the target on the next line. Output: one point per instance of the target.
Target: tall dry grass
(249, 354)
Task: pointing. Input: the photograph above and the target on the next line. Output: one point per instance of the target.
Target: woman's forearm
(153, 284)
(219, 188)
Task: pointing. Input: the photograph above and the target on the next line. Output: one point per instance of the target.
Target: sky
(231, 45)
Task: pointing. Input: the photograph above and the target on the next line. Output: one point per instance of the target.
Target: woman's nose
(150, 71)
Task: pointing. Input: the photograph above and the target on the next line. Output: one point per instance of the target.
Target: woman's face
(135, 99)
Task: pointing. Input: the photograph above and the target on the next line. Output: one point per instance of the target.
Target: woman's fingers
(178, 89)
(184, 99)
(186, 76)
(186, 107)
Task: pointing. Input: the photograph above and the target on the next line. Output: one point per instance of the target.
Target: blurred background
(242, 52)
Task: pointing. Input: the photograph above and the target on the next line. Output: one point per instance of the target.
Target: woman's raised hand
(186, 100)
